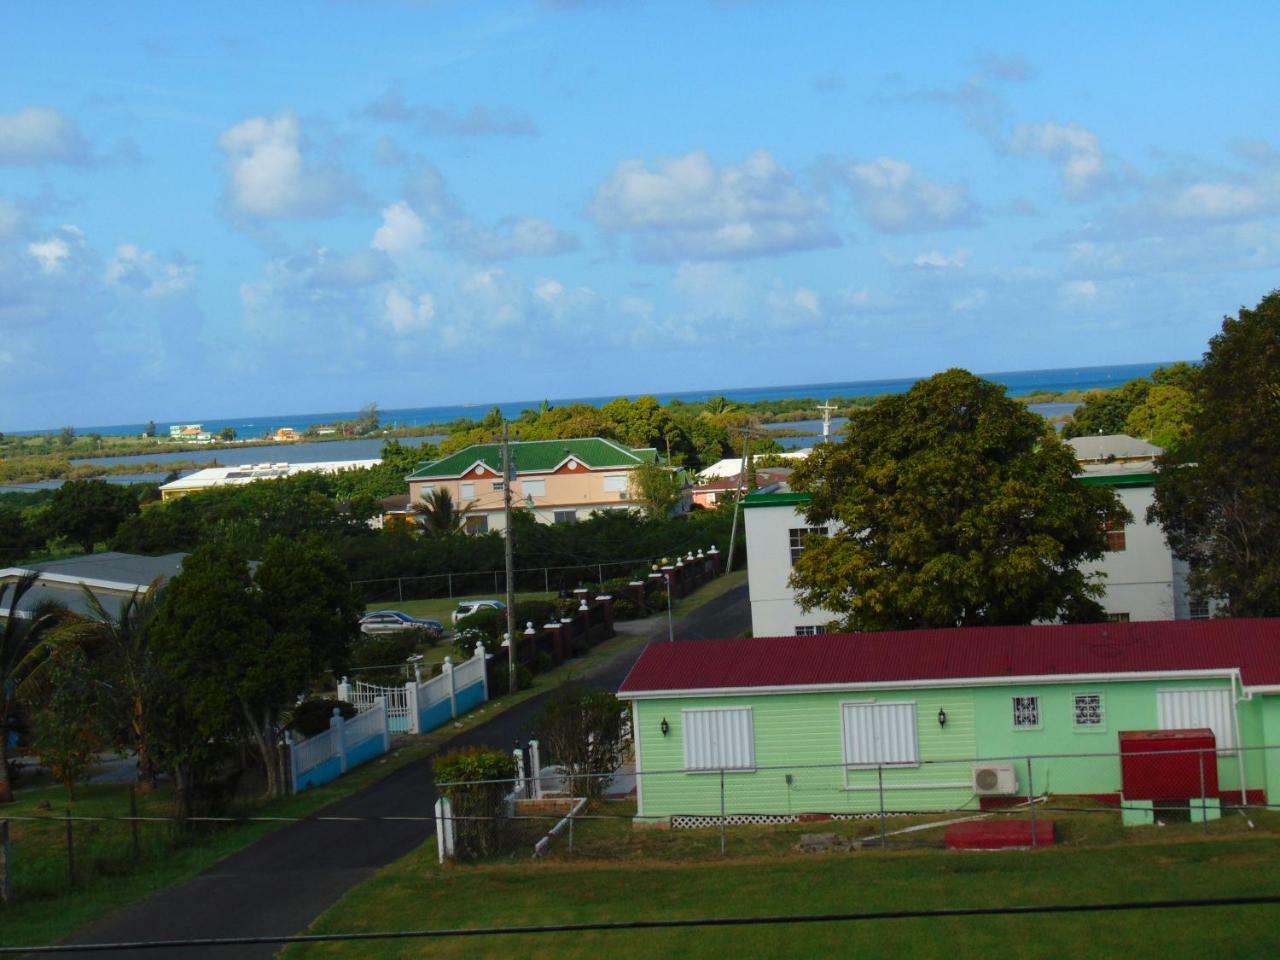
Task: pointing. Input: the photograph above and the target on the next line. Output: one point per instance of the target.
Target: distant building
(285, 435)
(190, 433)
(732, 466)
(1143, 580)
(248, 473)
(558, 481)
(708, 493)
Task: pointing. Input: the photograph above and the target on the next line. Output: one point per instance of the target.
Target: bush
(465, 776)
(624, 608)
(582, 731)
(312, 716)
(537, 612)
(389, 650)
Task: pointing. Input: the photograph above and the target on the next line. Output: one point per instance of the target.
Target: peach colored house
(559, 481)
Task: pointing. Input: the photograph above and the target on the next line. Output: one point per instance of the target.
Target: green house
(774, 728)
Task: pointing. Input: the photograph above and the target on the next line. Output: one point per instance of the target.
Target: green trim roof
(780, 499)
(537, 456)
(1118, 480)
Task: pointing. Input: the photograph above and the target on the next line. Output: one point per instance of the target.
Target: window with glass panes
(1087, 709)
(797, 535)
(1026, 712)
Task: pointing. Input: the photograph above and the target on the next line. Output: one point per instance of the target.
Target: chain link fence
(473, 583)
(962, 803)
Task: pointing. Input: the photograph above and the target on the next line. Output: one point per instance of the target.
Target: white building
(249, 472)
(1143, 580)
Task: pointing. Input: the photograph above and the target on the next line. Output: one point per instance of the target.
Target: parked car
(468, 607)
(393, 621)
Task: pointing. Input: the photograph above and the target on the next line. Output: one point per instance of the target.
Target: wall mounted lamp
(664, 727)
(942, 717)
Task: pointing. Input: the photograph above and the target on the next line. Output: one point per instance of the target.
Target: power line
(675, 924)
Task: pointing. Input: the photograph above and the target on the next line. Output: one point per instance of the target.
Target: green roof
(1118, 480)
(779, 499)
(537, 456)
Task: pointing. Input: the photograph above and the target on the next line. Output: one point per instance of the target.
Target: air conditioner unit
(995, 780)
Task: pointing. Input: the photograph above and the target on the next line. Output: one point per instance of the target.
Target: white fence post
(535, 764)
(446, 670)
(344, 690)
(522, 786)
(444, 829)
(484, 669)
(386, 726)
(293, 762)
(411, 704)
(339, 735)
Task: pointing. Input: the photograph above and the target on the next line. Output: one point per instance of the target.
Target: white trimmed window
(1199, 609)
(796, 538)
(565, 516)
(1086, 709)
(1026, 713)
(534, 488)
(615, 482)
(809, 631)
(426, 490)
(880, 734)
(719, 739)
(467, 491)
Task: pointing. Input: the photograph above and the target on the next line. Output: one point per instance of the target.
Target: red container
(1168, 764)
(999, 834)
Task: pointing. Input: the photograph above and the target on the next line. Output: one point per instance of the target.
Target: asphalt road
(279, 884)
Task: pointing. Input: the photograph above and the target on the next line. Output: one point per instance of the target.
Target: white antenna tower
(827, 409)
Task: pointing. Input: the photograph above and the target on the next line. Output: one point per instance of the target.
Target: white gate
(364, 696)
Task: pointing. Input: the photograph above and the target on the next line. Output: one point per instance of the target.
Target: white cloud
(269, 178)
(791, 310)
(548, 289)
(41, 135)
(53, 253)
(894, 198)
(1075, 149)
(402, 230)
(687, 208)
(406, 315)
(937, 260)
(145, 274)
(1079, 290)
(508, 238)
(475, 121)
(1224, 200)
(11, 219)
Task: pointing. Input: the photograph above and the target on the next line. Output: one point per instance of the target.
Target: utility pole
(508, 473)
(737, 500)
(827, 409)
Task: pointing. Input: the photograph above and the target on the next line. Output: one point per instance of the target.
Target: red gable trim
(974, 655)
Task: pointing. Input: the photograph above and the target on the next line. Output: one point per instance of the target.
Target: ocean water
(1019, 383)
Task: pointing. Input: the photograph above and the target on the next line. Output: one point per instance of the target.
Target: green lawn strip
(415, 893)
(441, 607)
(716, 588)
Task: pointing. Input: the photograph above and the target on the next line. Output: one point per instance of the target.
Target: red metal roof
(1253, 646)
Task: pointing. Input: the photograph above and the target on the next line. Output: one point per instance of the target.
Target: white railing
(434, 690)
(363, 696)
(310, 753)
(465, 674)
(365, 725)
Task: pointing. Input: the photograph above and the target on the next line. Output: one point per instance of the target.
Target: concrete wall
(774, 610)
(800, 735)
(1143, 580)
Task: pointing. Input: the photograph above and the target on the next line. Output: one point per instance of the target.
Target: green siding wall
(796, 734)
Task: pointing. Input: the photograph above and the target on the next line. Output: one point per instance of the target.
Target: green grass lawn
(441, 607)
(687, 881)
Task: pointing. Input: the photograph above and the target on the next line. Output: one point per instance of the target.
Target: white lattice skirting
(682, 821)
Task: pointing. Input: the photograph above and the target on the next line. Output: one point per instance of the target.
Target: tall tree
(658, 489)
(25, 642)
(89, 511)
(950, 505)
(1216, 495)
(243, 647)
(440, 515)
(120, 646)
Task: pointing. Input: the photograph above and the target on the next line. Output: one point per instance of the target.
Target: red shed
(1168, 764)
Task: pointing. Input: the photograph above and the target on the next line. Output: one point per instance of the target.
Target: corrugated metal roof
(533, 456)
(1252, 646)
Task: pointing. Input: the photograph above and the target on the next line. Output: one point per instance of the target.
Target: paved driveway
(279, 884)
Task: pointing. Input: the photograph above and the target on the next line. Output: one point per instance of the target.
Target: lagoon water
(1018, 382)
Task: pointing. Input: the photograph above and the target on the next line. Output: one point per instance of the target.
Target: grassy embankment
(617, 873)
(110, 878)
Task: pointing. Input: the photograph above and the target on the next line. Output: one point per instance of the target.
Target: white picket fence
(422, 707)
(346, 744)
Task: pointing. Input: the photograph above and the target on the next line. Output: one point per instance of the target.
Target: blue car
(394, 621)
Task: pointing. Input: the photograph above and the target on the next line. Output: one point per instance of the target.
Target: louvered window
(719, 739)
(880, 733)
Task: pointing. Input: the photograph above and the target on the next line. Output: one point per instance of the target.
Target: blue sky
(273, 208)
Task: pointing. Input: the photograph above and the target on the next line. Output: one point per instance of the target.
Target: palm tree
(439, 513)
(25, 640)
(123, 642)
(718, 405)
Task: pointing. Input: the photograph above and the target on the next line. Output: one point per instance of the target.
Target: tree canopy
(950, 505)
(1155, 408)
(89, 511)
(1216, 495)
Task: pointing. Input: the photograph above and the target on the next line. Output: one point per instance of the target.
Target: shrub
(624, 608)
(582, 730)
(312, 716)
(537, 612)
(389, 650)
(466, 776)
